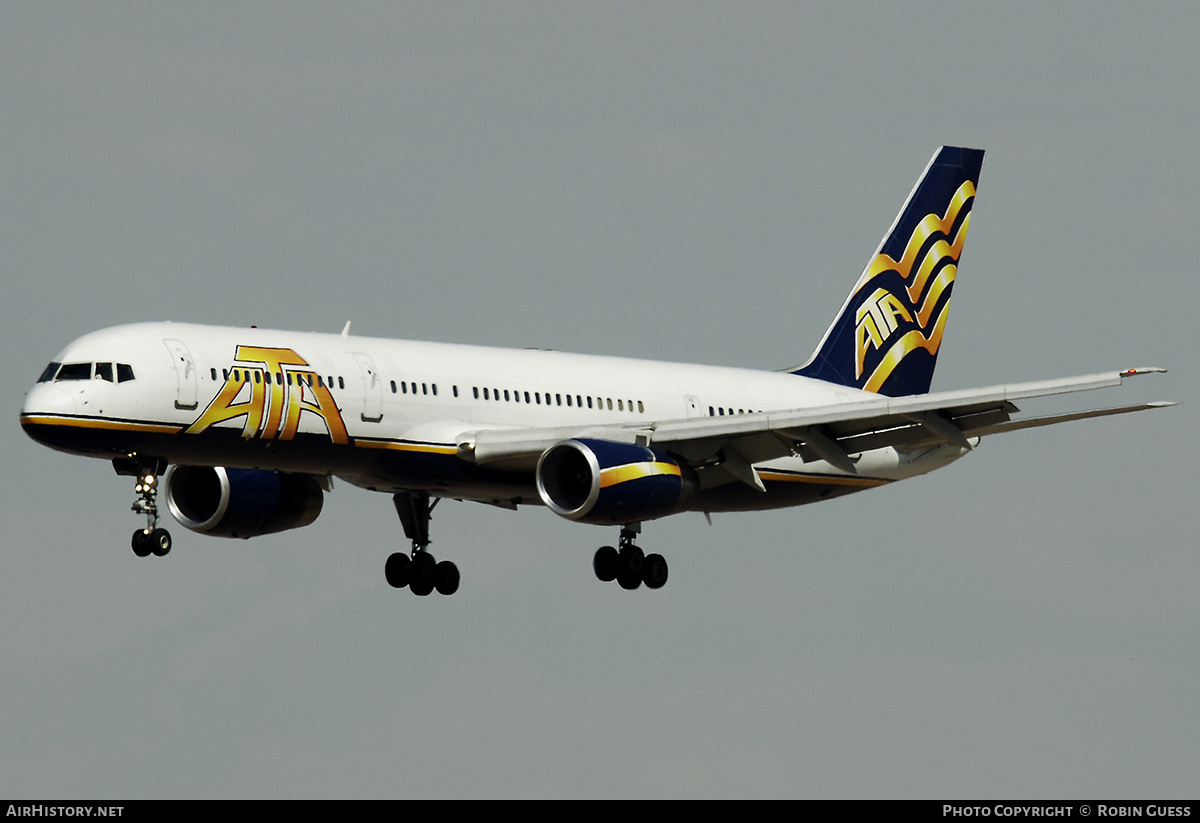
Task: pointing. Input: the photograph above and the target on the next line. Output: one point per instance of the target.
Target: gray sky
(679, 181)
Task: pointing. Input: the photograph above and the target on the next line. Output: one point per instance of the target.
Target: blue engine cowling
(597, 481)
(241, 502)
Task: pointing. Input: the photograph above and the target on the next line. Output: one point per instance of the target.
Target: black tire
(630, 561)
(629, 567)
(628, 580)
(446, 574)
(140, 543)
(422, 574)
(396, 570)
(654, 571)
(604, 564)
(159, 541)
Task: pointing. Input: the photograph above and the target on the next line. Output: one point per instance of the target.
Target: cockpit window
(49, 373)
(86, 371)
(74, 371)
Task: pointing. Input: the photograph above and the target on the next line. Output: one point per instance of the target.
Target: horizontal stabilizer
(1050, 420)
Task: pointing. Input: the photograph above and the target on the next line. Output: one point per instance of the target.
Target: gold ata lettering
(272, 388)
(876, 320)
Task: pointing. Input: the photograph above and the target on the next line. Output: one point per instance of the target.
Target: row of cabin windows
(301, 378)
(575, 401)
(723, 412)
(124, 372)
(306, 378)
(535, 398)
(426, 388)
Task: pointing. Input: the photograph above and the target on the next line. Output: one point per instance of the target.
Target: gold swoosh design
(920, 287)
(427, 448)
(929, 225)
(635, 471)
(937, 252)
(943, 281)
(98, 423)
(911, 341)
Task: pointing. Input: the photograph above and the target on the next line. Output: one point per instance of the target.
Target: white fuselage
(394, 415)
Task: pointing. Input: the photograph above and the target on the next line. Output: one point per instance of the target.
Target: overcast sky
(679, 181)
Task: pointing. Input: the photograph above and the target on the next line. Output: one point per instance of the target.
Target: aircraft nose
(44, 404)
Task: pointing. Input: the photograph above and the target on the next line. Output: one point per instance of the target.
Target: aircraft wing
(831, 432)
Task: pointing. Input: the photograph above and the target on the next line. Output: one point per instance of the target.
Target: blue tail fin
(886, 337)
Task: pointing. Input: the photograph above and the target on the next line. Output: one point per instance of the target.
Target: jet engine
(241, 502)
(605, 483)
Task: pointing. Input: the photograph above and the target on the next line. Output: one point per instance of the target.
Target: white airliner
(250, 425)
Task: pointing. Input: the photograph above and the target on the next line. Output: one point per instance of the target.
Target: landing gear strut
(628, 565)
(420, 572)
(152, 539)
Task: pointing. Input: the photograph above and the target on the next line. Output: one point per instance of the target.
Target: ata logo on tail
(891, 323)
(272, 388)
(887, 336)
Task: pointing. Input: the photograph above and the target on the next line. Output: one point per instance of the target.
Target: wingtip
(1143, 370)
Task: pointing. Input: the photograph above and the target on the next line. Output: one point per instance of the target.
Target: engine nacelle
(241, 502)
(597, 481)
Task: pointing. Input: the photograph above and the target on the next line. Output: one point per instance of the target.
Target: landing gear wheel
(654, 571)
(604, 564)
(630, 560)
(150, 540)
(422, 574)
(141, 543)
(396, 570)
(159, 541)
(446, 577)
(629, 567)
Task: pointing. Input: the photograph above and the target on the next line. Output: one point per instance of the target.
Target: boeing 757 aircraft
(247, 427)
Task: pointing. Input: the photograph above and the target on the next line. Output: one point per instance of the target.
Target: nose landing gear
(152, 539)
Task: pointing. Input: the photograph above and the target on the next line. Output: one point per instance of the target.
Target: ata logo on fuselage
(272, 388)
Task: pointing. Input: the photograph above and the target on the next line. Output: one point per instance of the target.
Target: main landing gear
(421, 573)
(629, 566)
(152, 539)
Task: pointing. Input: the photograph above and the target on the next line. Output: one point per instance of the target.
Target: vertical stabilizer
(886, 337)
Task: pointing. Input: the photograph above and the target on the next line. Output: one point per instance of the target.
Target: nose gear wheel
(152, 539)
